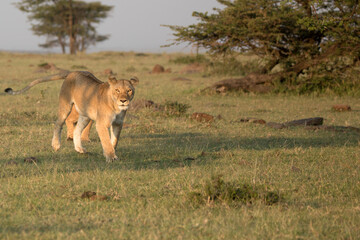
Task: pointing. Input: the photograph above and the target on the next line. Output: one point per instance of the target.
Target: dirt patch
(93, 196)
(158, 69)
(341, 108)
(202, 117)
(30, 160)
(44, 67)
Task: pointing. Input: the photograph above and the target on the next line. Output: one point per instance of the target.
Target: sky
(133, 25)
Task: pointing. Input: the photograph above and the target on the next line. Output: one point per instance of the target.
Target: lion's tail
(61, 75)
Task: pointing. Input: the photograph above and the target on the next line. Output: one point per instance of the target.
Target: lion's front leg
(103, 132)
(116, 127)
(115, 131)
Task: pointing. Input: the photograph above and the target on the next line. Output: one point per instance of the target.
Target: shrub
(189, 59)
(173, 108)
(217, 190)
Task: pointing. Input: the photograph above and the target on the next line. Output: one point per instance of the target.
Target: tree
(299, 34)
(66, 22)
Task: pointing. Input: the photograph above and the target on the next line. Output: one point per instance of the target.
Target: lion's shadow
(162, 151)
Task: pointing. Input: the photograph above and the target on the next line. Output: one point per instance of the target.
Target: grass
(166, 159)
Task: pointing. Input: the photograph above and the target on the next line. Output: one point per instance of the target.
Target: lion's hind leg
(81, 124)
(86, 133)
(70, 122)
(63, 113)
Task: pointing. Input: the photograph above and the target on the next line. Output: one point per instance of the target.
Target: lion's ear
(112, 79)
(134, 81)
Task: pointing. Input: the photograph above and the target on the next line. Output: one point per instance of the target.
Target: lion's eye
(117, 91)
(129, 91)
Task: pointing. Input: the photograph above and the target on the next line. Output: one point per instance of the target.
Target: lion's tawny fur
(104, 103)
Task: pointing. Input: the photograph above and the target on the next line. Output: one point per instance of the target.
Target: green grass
(166, 159)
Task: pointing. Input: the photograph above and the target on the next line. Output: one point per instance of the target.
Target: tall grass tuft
(217, 190)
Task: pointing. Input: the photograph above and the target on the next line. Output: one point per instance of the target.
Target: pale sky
(133, 25)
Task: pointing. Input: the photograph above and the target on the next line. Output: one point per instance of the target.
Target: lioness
(105, 103)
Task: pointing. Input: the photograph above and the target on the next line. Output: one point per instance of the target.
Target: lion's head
(122, 91)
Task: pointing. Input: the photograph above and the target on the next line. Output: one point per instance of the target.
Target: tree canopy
(66, 22)
(296, 33)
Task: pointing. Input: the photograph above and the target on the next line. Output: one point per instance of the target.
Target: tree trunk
(72, 36)
(62, 44)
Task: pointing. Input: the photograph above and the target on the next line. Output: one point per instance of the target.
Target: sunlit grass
(165, 158)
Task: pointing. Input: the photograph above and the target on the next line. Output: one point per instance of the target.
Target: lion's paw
(55, 146)
(80, 149)
(111, 159)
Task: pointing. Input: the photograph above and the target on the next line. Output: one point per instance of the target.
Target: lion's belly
(85, 98)
(86, 108)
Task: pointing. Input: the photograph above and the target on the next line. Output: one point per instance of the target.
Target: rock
(305, 122)
(158, 69)
(317, 121)
(341, 108)
(202, 117)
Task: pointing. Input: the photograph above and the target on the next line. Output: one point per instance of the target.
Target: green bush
(337, 80)
(217, 190)
(189, 59)
(173, 108)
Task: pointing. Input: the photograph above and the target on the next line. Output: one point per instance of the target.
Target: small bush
(217, 190)
(190, 59)
(337, 76)
(175, 109)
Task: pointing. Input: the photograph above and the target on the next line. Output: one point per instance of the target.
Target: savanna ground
(166, 161)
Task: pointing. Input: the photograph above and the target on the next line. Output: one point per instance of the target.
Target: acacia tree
(297, 33)
(66, 22)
